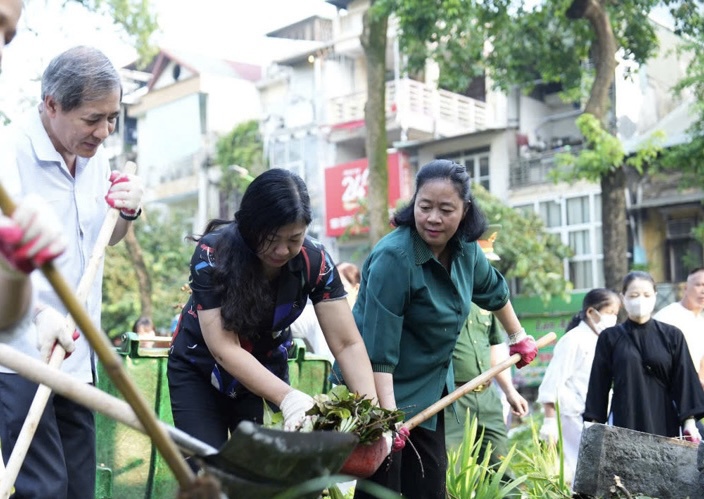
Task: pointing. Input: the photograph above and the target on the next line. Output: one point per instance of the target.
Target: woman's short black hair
(473, 223)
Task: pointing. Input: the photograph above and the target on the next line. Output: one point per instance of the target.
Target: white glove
(33, 236)
(548, 432)
(52, 327)
(691, 432)
(294, 407)
(125, 193)
(388, 441)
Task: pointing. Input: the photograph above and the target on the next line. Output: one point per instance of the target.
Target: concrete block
(647, 464)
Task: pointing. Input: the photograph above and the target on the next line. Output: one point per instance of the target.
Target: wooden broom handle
(112, 365)
(463, 390)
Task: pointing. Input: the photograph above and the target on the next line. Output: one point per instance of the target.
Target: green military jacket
(410, 311)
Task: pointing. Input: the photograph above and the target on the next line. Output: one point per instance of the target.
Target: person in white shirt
(686, 315)
(57, 153)
(567, 376)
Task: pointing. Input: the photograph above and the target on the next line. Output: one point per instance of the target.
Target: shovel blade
(280, 458)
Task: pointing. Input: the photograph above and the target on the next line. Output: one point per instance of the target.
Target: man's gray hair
(79, 75)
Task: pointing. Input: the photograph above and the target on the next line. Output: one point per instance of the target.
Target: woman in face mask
(655, 386)
(567, 376)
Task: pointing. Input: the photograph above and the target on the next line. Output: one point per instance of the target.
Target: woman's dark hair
(637, 274)
(473, 223)
(275, 198)
(597, 298)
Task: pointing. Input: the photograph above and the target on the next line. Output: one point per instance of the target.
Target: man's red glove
(125, 194)
(523, 345)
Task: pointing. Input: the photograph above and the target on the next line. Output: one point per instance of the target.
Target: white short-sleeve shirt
(80, 203)
(691, 325)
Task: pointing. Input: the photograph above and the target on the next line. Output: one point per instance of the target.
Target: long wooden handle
(472, 384)
(41, 397)
(112, 365)
(92, 397)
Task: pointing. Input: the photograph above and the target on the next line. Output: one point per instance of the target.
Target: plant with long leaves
(468, 475)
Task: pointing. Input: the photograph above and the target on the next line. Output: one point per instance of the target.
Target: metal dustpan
(261, 454)
(259, 463)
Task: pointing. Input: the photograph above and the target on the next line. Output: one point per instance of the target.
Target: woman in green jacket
(417, 287)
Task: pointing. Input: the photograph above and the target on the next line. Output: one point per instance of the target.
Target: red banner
(346, 185)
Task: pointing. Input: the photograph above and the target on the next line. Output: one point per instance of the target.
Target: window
(551, 213)
(288, 154)
(684, 252)
(476, 162)
(577, 221)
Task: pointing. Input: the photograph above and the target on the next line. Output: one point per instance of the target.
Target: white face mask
(605, 321)
(640, 307)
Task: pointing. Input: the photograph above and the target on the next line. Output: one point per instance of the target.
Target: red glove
(400, 438)
(33, 236)
(523, 345)
(691, 432)
(125, 193)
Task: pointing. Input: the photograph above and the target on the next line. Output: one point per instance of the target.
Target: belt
(478, 389)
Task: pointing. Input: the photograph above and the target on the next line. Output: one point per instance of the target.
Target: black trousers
(416, 476)
(60, 462)
(202, 411)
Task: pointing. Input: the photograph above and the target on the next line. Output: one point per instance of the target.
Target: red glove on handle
(523, 345)
(125, 193)
(400, 438)
(33, 236)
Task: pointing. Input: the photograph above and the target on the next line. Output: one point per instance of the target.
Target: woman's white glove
(548, 432)
(690, 431)
(294, 407)
(52, 327)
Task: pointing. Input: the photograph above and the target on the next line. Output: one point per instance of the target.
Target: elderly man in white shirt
(686, 315)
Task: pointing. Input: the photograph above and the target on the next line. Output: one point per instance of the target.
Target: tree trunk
(613, 183)
(140, 268)
(614, 228)
(373, 41)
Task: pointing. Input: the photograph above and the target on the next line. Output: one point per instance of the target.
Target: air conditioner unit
(680, 228)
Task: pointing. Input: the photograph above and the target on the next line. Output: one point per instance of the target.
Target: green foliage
(541, 464)
(527, 251)
(167, 256)
(136, 17)
(470, 477)
(241, 147)
(341, 410)
(604, 153)
(529, 42)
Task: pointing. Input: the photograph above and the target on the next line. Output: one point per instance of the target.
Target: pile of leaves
(341, 410)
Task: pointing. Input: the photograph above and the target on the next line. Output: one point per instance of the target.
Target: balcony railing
(416, 105)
